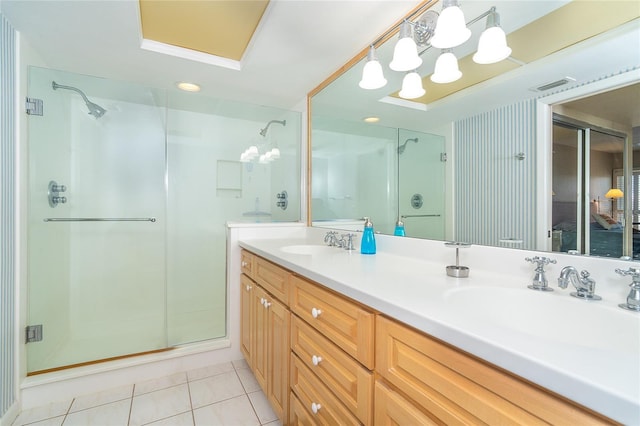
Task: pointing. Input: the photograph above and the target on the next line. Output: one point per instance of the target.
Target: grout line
(133, 392)
(246, 394)
(193, 416)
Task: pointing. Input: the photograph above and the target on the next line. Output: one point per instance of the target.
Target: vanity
(336, 337)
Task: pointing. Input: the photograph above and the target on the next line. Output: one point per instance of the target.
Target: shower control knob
(60, 200)
(58, 188)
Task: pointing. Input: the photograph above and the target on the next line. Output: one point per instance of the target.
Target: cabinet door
(259, 336)
(246, 319)
(278, 318)
(393, 409)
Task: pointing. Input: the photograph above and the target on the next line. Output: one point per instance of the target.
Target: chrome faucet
(331, 238)
(633, 299)
(540, 279)
(584, 284)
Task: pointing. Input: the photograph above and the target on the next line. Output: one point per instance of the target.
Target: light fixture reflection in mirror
(444, 31)
(346, 102)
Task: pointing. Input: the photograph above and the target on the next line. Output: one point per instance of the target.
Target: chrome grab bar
(100, 219)
(419, 215)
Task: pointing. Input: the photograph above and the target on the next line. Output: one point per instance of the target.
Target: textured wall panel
(495, 190)
(7, 215)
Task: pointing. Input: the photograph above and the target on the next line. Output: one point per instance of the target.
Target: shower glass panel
(97, 286)
(129, 192)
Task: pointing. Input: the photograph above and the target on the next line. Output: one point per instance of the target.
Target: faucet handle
(540, 260)
(634, 273)
(348, 243)
(540, 282)
(633, 299)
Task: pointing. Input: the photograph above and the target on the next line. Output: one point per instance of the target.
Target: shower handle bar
(419, 215)
(100, 219)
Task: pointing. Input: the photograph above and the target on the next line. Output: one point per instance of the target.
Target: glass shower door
(97, 280)
(421, 184)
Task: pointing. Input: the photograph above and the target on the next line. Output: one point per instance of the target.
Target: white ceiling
(297, 45)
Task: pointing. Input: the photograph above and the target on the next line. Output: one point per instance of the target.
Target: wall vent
(553, 84)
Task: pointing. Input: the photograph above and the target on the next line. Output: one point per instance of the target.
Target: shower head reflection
(94, 109)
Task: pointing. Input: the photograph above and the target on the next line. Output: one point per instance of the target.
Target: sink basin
(551, 316)
(309, 249)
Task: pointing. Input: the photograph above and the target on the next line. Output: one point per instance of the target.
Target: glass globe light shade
(492, 47)
(412, 86)
(405, 53)
(252, 152)
(451, 29)
(372, 76)
(446, 69)
(275, 153)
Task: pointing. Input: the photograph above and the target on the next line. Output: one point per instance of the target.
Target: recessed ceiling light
(371, 119)
(188, 87)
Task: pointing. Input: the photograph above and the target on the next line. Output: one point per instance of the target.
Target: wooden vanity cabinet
(451, 387)
(264, 335)
(313, 351)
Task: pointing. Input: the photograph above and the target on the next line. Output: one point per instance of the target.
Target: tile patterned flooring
(222, 394)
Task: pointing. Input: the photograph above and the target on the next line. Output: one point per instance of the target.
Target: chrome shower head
(263, 132)
(94, 109)
(402, 147)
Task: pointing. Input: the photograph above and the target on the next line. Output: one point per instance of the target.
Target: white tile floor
(223, 394)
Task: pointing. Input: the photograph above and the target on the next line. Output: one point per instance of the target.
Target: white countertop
(586, 351)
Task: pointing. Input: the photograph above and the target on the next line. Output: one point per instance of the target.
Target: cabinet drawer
(392, 409)
(298, 415)
(349, 381)
(342, 321)
(247, 260)
(273, 278)
(312, 393)
(460, 389)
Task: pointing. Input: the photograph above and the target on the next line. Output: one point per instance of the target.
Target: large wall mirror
(489, 159)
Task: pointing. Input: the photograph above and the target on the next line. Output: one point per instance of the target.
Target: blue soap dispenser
(399, 231)
(368, 243)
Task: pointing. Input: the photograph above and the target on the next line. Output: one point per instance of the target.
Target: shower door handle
(100, 219)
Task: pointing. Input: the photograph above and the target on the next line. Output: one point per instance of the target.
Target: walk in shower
(129, 191)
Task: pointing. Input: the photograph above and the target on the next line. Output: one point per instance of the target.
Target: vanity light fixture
(188, 87)
(446, 69)
(451, 29)
(444, 31)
